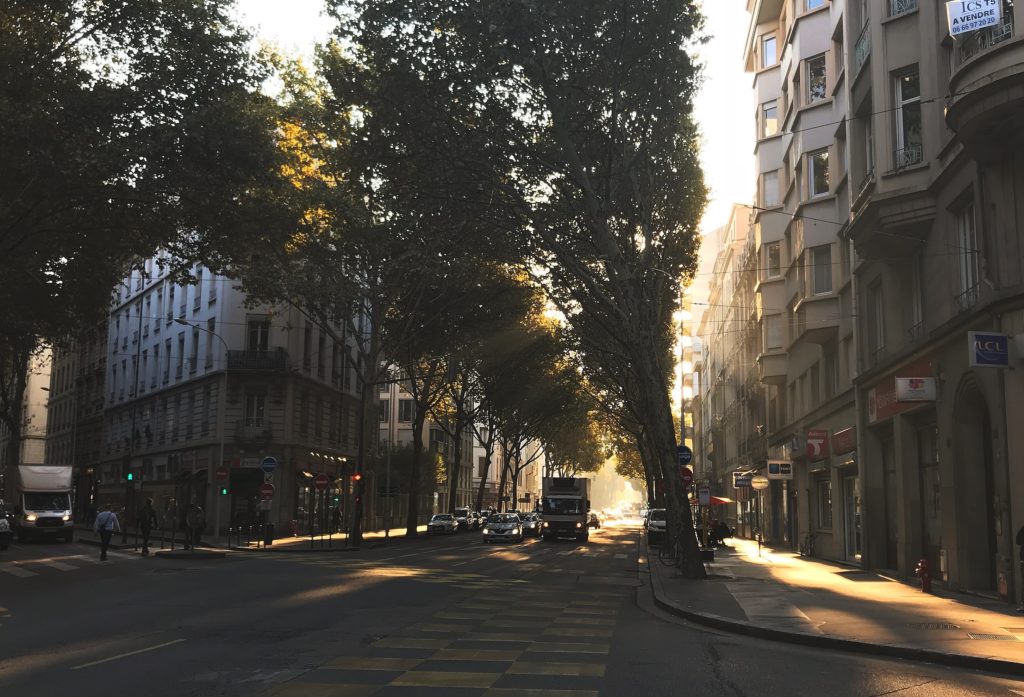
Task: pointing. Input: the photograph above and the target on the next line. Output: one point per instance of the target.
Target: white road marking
(14, 570)
(620, 556)
(126, 655)
(59, 565)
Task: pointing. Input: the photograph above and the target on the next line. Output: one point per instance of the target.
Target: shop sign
(883, 401)
(780, 469)
(970, 15)
(915, 389)
(741, 481)
(989, 350)
(817, 444)
(844, 441)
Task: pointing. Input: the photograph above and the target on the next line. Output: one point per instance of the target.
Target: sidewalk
(784, 597)
(337, 542)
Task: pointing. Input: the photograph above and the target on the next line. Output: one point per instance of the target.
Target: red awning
(720, 500)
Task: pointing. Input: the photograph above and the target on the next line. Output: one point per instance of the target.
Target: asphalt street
(440, 616)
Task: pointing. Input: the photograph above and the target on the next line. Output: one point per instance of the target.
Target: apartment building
(937, 155)
(34, 421)
(199, 385)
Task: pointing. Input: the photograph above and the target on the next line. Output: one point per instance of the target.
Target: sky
(724, 108)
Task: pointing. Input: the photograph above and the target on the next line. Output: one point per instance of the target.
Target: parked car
(442, 523)
(5, 528)
(532, 524)
(655, 523)
(464, 518)
(594, 521)
(503, 526)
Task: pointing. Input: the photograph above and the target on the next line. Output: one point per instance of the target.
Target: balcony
(817, 319)
(901, 7)
(273, 361)
(907, 157)
(771, 368)
(254, 432)
(862, 49)
(988, 86)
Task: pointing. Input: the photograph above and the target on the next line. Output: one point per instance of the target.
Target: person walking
(147, 521)
(106, 524)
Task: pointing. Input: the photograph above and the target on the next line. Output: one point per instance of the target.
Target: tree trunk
(412, 517)
(488, 454)
(456, 467)
(504, 479)
(14, 383)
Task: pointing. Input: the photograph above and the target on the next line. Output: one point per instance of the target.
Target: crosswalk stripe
(14, 570)
(620, 556)
(59, 565)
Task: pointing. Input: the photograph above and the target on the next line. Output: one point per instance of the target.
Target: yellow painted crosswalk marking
(590, 670)
(475, 655)
(519, 692)
(498, 636)
(566, 647)
(374, 663)
(590, 632)
(427, 678)
(411, 643)
(594, 621)
(312, 689)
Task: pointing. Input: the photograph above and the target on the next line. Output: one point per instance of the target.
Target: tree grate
(995, 637)
(933, 625)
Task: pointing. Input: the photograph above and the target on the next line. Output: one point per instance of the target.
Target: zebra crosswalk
(32, 567)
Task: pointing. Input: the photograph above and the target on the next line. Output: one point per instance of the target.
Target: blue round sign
(268, 465)
(685, 455)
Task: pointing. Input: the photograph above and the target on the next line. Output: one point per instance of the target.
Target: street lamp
(222, 408)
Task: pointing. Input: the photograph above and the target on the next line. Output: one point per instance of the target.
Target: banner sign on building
(844, 440)
(915, 389)
(989, 350)
(741, 481)
(883, 401)
(970, 15)
(817, 444)
(780, 469)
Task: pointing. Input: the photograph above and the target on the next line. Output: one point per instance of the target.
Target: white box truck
(43, 506)
(565, 507)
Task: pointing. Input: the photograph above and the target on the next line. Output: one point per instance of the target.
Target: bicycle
(670, 551)
(806, 548)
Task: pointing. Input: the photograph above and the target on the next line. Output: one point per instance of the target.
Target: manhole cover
(996, 637)
(933, 625)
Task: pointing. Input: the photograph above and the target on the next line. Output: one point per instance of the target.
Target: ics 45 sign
(970, 15)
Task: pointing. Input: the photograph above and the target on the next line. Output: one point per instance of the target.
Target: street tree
(569, 123)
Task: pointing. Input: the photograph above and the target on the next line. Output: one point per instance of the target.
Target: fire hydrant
(924, 574)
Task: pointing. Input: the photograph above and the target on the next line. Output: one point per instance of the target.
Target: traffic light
(337, 499)
(223, 491)
(130, 476)
(356, 477)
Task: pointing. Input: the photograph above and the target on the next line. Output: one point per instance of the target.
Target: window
(967, 256)
(303, 413)
(181, 355)
(773, 252)
(909, 150)
(405, 410)
(259, 335)
(916, 297)
(332, 422)
(814, 4)
(156, 364)
(212, 297)
(817, 173)
(167, 361)
(821, 269)
(307, 348)
(817, 88)
(204, 423)
(199, 290)
(335, 356)
(193, 361)
(255, 409)
(825, 503)
(773, 332)
(830, 373)
(144, 373)
(321, 353)
(769, 55)
(769, 118)
(876, 321)
(318, 417)
(815, 385)
(770, 189)
(869, 148)
(385, 411)
(211, 325)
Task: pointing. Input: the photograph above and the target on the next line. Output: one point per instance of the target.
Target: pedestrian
(106, 523)
(147, 521)
(335, 519)
(198, 524)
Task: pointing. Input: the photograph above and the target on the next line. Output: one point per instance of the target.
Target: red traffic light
(356, 477)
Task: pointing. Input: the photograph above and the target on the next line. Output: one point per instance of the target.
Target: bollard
(924, 574)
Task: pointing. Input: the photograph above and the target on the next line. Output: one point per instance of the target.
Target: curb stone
(818, 641)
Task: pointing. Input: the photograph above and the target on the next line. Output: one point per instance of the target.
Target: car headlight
(545, 523)
(579, 525)
(487, 531)
(518, 530)
(30, 517)
(67, 517)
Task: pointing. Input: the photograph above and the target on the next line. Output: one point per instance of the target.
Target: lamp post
(222, 409)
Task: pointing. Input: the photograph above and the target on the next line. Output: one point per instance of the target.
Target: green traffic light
(131, 476)
(223, 491)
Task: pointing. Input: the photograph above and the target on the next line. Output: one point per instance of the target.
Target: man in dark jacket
(147, 521)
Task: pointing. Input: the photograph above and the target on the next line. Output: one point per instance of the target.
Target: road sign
(759, 482)
(687, 475)
(741, 481)
(780, 469)
(684, 454)
(320, 482)
(222, 474)
(267, 490)
(704, 496)
(268, 465)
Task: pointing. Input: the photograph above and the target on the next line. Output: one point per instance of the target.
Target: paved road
(445, 616)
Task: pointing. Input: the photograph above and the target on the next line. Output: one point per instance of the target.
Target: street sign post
(704, 496)
(740, 481)
(267, 490)
(268, 465)
(222, 474)
(687, 476)
(320, 482)
(759, 482)
(685, 455)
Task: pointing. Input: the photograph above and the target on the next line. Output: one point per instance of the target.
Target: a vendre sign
(970, 15)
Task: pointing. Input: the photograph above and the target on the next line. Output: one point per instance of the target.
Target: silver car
(442, 523)
(503, 526)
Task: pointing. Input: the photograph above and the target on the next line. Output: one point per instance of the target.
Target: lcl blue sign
(989, 350)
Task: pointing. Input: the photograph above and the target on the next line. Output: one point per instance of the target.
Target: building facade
(34, 423)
